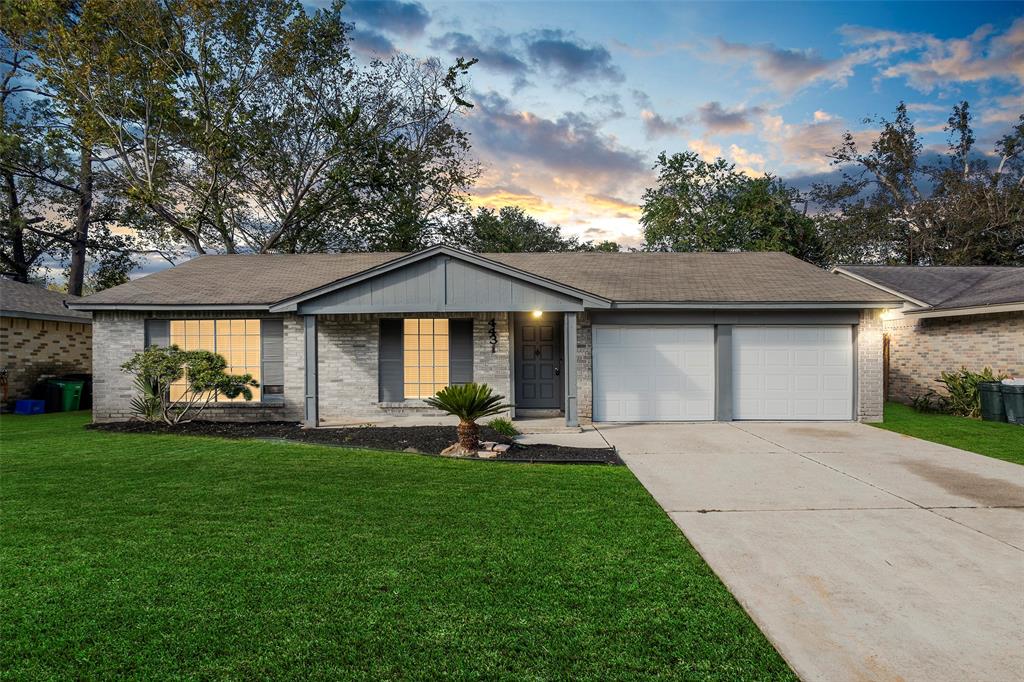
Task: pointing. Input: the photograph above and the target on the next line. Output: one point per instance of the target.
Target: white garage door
(658, 373)
(792, 372)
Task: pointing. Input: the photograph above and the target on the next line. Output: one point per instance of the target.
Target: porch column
(572, 416)
(311, 412)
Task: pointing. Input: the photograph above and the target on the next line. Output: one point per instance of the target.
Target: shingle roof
(627, 277)
(948, 287)
(27, 300)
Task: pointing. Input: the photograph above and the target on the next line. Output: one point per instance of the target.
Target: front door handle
(558, 372)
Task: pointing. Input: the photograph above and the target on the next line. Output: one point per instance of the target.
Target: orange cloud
(619, 208)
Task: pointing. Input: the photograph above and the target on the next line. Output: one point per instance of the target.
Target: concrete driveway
(862, 554)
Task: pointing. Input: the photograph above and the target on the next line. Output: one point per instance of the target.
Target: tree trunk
(17, 261)
(469, 435)
(80, 238)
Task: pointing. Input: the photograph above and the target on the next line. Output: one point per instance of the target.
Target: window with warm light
(425, 347)
(238, 341)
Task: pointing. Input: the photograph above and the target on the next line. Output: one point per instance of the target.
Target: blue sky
(574, 100)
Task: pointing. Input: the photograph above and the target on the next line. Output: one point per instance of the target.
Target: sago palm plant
(468, 402)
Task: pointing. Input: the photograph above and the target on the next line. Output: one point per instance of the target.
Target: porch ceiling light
(537, 313)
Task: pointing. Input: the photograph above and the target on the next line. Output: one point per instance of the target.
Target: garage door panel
(653, 373)
(793, 372)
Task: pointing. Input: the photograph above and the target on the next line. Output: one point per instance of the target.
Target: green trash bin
(71, 393)
(992, 409)
(1013, 402)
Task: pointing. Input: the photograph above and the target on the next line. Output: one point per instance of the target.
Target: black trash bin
(1013, 402)
(992, 409)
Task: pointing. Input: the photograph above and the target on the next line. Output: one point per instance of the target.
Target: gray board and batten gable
(440, 282)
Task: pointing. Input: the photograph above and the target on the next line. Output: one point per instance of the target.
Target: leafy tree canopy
(700, 205)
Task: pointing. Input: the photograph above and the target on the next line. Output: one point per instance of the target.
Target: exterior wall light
(537, 313)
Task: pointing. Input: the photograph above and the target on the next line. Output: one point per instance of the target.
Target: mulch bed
(426, 440)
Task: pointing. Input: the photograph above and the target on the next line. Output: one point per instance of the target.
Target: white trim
(165, 306)
(751, 305)
(865, 280)
(971, 310)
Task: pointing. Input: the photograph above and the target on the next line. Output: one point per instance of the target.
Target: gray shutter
(158, 333)
(460, 351)
(272, 360)
(390, 365)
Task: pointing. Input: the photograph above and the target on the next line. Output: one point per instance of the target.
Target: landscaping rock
(456, 450)
(486, 454)
(501, 447)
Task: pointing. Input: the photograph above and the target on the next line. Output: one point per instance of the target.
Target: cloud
(655, 125)
(564, 55)
(406, 19)
(746, 161)
(787, 70)
(571, 144)
(496, 197)
(371, 43)
(807, 146)
(705, 149)
(933, 62)
(1007, 109)
(614, 206)
(498, 55)
(718, 119)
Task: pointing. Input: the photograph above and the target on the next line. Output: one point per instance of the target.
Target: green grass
(167, 557)
(994, 439)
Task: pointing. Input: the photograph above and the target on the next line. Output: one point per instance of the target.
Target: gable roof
(945, 288)
(33, 302)
(258, 281)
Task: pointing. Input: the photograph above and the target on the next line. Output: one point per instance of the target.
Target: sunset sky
(574, 100)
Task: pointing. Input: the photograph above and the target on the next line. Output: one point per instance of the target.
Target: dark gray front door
(539, 362)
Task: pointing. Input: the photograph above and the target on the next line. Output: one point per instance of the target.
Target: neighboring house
(336, 338)
(952, 317)
(39, 337)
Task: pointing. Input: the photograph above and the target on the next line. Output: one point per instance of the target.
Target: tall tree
(510, 230)
(49, 142)
(895, 205)
(699, 205)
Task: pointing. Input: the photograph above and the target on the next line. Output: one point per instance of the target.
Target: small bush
(963, 395)
(204, 374)
(504, 427)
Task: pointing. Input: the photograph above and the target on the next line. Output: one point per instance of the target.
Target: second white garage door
(792, 373)
(656, 373)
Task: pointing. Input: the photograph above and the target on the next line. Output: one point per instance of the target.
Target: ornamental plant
(468, 402)
(203, 377)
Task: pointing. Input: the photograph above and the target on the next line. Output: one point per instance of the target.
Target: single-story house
(951, 317)
(335, 338)
(39, 337)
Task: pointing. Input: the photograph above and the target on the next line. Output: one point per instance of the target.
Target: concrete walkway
(862, 554)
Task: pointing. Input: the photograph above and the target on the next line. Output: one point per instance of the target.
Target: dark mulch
(428, 440)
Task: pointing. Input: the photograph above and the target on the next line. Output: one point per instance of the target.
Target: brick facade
(117, 336)
(347, 368)
(870, 398)
(921, 348)
(347, 371)
(35, 349)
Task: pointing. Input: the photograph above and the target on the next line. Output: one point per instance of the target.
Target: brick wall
(584, 367)
(34, 349)
(347, 371)
(869, 366)
(920, 349)
(119, 335)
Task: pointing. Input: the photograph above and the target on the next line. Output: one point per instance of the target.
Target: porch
(377, 368)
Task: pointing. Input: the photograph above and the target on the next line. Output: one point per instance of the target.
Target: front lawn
(995, 439)
(170, 557)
